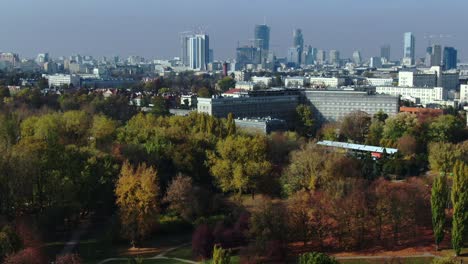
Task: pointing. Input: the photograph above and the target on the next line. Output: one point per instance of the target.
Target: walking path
(162, 255)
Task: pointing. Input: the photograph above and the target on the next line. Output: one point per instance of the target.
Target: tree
(304, 120)
(442, 156)
(226, 83)
(439, 198)
(159, 106)
(397, 126)
(460, 205)
(202, 241)
(355, 126)
(375, 133)
(68, 259)
(316, 258)
(221, 256)
(137, 194)
(204, 93)
(231, 125)
(299, 207)
(445, 128)
(181, 197)
(239, 163)
(103, 129)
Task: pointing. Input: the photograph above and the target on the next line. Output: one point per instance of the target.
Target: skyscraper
(298, 44)
(357, 59)
(409, 48)
(184, 40)
(262, 37)
(436, 58)
(450, 58)
(334, 57)
(428, 58)
(385, 52)
(198, 51)
(321, 57)
(294, 55)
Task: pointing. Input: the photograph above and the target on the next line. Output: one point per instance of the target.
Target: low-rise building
(464, 93)
(326, 81)
(380, 81)
(295, 82)
(60, 80)
(423, 95)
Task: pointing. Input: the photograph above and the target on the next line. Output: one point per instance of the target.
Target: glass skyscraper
(198, 51)
(409, 47)
(262, 37)
(450, 58)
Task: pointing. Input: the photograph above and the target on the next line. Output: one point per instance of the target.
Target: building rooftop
(358, 147)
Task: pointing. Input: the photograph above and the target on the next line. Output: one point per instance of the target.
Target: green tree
(439, 198)
(397, 126)
(460, 205)
(445, 128)
(221, 256)
(375, 133)
(159, 106)
(137, 194)
(231, 125)
(103, 129)
(204, 93)
(316, 258)
(304, 120)
(239, 163)
(442, 157)
(226, 83)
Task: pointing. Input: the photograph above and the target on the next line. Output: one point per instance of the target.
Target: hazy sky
(150, 27)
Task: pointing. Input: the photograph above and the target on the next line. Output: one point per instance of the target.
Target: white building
(262, 81)
(245, 85)
(294, 82)
(326, 81)
(380, 81)
(464, 93)
(59, 80)
(198, 51)
(431, 77)
(423, 95)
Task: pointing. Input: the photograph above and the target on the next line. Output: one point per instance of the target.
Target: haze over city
(151, 28)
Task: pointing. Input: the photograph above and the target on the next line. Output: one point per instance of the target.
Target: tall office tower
(198, 51)
(450, 58)
(294, 56)
(310, 55)
(409, 48)
(321, 57)
(334, 57)
(357, 59)
(184, 41)
(248, 55)
(428, 58)
(42, 58)
(436, 58)
(385, 52)
(262, 37)
(298, 44)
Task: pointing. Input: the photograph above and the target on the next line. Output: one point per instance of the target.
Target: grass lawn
(182, 253)
(389, 260)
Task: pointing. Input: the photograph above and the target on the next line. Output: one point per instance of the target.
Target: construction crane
(431, 37)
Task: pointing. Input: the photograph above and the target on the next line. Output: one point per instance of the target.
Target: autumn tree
(398, 126)
(239, 163)
(181, 197)
(137, 194)
(445, 128)
(459, 197)
(439, 198)
(355, 126)
(442, 157)
(304, 120)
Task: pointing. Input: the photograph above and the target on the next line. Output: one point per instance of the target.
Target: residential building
(295, 82)
(464, 93)
(262, 81)
(380, 81)
(412, 79)
(249, 86)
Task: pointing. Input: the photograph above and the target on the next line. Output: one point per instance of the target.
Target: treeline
(75, 156)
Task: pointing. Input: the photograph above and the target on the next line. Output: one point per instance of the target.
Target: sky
(150, 28)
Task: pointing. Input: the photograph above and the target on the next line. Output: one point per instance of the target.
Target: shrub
(316, 258)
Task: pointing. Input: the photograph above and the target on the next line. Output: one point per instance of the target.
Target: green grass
(388, 261)
(182, 253)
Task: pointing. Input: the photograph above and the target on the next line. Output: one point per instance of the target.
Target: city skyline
(100, 29)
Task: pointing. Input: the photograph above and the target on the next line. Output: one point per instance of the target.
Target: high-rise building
(184, 40)
(321, 57)
(450, 58)
(385, 52)
(298, 44)
(334, 57)
(436, 58)
(310, 55)
(294, 55)
(248, 55)
(42, 58)
(357, 59)
(428, 58)
(409, 48)
(262, 37)
(198, 51)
